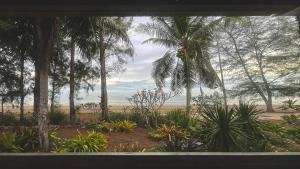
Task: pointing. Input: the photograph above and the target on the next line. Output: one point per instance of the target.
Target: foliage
(8, 119)
(254, 48)
(276, 136)
(56, 117)
(29, 121)
(148, 103)
(187, 39)
(290, 104)
(118, 116)
(206, 101)
(180, 118)
(173, 138)
(291, 119)
(116, 126)
(28, 138)
(294, 134)
(89, 142)
(8, 143)
(247, 115)
(221, 130)
(129, 147)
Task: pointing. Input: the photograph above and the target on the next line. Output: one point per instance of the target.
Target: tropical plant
(129, 147)
(187, 59)
(116, 126)
(112, 42)
(290, 104)
(28, 138)
(173, 138)
(89, 142)
(8, 143)
(247, 115)
(221, 130)
(80, 32)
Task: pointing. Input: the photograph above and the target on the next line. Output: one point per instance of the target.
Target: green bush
(30, 121)
(8, 119)
(9, 143)
(173, 138)
(89, 142)
(180, 118)
(57, 117)
(118, 116)
(291, 119)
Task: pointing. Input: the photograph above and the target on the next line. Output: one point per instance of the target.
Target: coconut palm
(112, 40)
(187, 59)
(79, 32)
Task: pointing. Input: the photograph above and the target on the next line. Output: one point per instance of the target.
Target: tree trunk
(222, 78)
(104, 107)
(72, 84)
(201, 90)
(188, 83)
(22, 96)
(45, 29)
(2, 107)
(52, 97)
(258, 89)
(36, 91)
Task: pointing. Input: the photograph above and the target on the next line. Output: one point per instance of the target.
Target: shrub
(173, 138)
(28, 138)
(294, 134)
(221, 129)
(89, 142)
(291, 119)
(9, 143)
(118, 116)
(180, 118)
(116, 126)
(56, 117)
(30, 121)
(290, 104)
(8, 119)
(129, 147)
(148, 103)
(276, 136)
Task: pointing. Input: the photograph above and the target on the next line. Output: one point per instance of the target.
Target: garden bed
(137, 135)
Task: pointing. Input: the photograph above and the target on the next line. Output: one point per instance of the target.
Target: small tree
(149, 102)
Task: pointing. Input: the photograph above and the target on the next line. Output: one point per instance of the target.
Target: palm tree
(187, 59)
(79, 31)
(112, 40)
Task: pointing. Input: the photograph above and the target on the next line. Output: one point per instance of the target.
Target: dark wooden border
(146, 7)
(151, 161)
